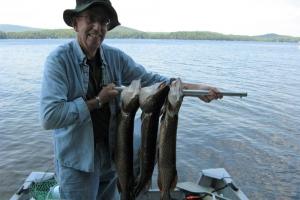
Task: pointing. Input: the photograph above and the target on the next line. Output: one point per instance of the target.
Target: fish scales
(124, 147)
(151, 100)
(167, 173)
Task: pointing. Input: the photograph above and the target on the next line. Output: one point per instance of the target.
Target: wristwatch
(99, 104)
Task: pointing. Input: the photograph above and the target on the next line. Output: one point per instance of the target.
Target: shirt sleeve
(56, 110)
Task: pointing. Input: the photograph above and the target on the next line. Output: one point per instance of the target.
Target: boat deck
(213, 184)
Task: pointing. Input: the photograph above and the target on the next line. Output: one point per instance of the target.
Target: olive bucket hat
(82, 5)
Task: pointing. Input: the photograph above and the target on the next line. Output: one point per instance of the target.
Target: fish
(167, 173)
(124, 144)
(151, 100)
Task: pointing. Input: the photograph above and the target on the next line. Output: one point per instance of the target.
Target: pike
(124, 147)
(151, 100)
(167, 173)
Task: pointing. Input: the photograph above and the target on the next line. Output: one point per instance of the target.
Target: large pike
(151, 100)
(167, 173)
(124, 147)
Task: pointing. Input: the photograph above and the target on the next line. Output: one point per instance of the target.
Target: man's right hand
(108, 93)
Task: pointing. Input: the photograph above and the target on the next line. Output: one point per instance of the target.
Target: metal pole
(198, 93)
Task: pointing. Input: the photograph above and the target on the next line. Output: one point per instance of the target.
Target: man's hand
(213, 93)
(107, 93)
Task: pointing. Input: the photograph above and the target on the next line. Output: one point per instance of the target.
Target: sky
(239, 17)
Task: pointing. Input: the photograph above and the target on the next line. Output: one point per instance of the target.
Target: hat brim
(70, 13)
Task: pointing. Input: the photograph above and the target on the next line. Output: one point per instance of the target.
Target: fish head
(153, 97)
(175, 96)
(130, 96)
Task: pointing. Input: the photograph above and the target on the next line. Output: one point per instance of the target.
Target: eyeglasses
(92, 18)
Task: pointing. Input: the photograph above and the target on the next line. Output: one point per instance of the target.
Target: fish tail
(127, 196)
(165, 195)
(142, 188)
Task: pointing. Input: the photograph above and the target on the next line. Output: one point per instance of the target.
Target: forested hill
(20, 32)
(16, 28)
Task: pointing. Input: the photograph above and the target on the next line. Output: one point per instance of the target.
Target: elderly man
(79, 102)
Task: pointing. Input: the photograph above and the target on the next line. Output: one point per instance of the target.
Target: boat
(212, 184)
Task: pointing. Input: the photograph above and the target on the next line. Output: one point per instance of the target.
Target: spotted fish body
(124, 147)
(167, 173)
(151, 100)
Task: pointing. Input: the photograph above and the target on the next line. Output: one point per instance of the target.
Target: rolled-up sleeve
(56, 110)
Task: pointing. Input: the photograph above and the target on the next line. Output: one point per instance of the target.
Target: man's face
(91, 27)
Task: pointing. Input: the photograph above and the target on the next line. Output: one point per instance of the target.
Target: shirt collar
(82, 57)
(102, 56)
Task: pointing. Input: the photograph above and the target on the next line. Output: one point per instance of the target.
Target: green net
(41, 190)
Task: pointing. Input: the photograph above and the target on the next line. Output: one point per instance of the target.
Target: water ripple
(255, 138)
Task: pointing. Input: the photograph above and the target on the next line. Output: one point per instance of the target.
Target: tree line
(124, 32)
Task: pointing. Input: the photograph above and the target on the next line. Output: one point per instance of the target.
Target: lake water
(257, 138)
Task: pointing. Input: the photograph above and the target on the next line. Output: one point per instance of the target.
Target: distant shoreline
(128, 33)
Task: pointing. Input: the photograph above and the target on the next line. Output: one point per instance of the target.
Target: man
(79, 102)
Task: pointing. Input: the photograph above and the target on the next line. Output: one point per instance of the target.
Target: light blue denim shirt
(62, 104)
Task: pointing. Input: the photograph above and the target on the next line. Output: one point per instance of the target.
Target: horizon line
(31, 27)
